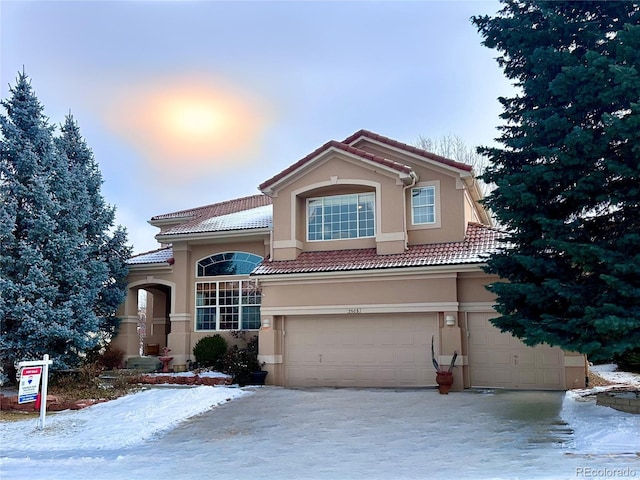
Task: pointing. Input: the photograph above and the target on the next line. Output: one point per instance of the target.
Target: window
(228, 305)
(229, 263)
(341, 216)
(423, 205)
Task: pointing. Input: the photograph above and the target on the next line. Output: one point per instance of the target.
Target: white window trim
(437, 207)
(375, 215)
(226, 278)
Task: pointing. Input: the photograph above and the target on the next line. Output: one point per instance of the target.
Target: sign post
(30, 375)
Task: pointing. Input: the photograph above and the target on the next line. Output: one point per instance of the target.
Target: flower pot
(257, 378)
(444, 381)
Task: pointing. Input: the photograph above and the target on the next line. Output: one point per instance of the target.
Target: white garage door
(499, 359)
(359, 351)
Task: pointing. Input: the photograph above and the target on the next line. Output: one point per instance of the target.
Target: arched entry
(145, 317)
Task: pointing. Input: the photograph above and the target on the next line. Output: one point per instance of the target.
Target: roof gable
(268, 186)
(374, 137)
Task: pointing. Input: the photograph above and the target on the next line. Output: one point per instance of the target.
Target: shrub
(630, 361)
(240, 362)
(111, 359)
(210, 350)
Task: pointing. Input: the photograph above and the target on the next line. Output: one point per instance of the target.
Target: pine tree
(61, 273)
(106, 252)
(568, 175)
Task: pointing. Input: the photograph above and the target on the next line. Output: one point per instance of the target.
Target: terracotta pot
(444, 381)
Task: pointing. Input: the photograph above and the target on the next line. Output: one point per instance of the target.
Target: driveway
(278, 433)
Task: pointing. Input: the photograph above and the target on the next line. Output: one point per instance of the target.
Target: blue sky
(187, 103)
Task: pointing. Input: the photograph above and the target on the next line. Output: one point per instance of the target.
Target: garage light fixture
(450, 320)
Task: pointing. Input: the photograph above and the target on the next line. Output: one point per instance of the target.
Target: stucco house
(346, 265)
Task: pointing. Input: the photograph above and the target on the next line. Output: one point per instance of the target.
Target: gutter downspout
(414, 180)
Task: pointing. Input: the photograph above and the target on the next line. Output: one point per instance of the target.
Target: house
(347, 265)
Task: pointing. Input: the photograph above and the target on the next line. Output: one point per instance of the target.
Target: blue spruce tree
(62, 274)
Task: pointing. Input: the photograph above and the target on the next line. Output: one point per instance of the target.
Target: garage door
(499, 359)
(359, 351)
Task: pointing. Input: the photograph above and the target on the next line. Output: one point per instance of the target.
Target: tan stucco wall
(179, 279)
(393, 216)
(472, 287)
(363, 291)
(338, 175)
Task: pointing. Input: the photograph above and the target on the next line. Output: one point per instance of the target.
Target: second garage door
(499, 359)
(359, 351)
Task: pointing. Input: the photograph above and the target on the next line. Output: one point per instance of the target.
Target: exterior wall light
(450, 320)
(266, 322)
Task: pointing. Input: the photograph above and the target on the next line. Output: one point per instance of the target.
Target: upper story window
(423, 205)
(229, 263)
(341, 216)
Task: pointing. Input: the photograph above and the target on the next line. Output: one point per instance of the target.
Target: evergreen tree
(568, 175)
(62, 273)
(106, 252)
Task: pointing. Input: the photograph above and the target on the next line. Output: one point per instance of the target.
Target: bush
(241, 362)
(210, 350)
(111, 359)
(629, 362)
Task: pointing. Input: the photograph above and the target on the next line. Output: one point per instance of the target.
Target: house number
(354, 310)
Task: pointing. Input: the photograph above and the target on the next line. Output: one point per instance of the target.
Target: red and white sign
(29, 384)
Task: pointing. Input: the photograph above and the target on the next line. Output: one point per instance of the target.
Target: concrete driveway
(385, 434)
(278, 433)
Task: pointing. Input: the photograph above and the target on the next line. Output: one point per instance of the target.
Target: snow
(124, 422)
(182, 432)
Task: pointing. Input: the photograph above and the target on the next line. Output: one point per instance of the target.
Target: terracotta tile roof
(259, 217)
(479, 241)
(222, 208)
(341, 146)
(408, 148)
(161, 255)
(238, 214)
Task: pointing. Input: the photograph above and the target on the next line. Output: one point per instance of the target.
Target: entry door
(499, 359)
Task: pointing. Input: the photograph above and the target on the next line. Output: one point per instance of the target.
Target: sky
(189, 103)
(276, 433)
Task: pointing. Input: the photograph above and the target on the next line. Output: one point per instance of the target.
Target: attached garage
(359, 350)
(499, 359)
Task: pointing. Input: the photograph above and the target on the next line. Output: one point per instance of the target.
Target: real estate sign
(29, 384)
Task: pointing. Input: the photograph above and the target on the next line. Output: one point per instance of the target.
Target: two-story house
(347, 265)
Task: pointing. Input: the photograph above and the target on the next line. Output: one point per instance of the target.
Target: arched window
(229, 263)
(228, 304)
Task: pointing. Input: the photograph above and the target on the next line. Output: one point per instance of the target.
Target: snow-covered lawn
(274, 433)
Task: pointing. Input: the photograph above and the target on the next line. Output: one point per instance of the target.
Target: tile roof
(346, 145)
(161, 255)
(408, 148)
(341, 146)
(237, 214)
(479, 241)
(216, 209)
(258, 217)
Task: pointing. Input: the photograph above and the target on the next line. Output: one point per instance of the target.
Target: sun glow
(189, 127)
(190, 118)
